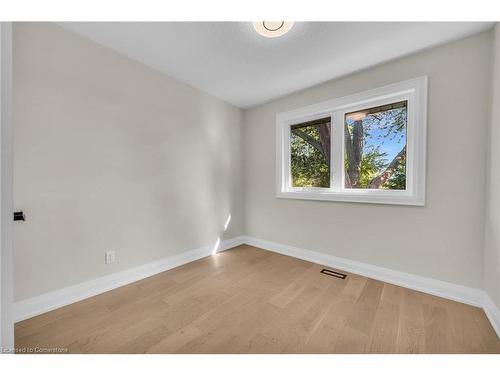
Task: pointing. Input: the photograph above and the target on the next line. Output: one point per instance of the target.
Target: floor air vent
(333, 273)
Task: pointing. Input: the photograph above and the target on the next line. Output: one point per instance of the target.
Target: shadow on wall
(203, 188)
(221, 169)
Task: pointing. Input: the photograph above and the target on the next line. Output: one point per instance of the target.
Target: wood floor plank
(437, 330)
(487, 333)
(385, 328)
(291, 291)
(138, 337)
(465, 332)
(329, 330)
(172, 343)
(364, 312)
(249, 300)
(411, 337)
(411, 333)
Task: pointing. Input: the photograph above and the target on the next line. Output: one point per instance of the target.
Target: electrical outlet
(109, 257)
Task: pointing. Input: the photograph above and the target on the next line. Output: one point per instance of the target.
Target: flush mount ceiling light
(272, 29)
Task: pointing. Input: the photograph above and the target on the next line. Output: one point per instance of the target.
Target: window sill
(362, 196)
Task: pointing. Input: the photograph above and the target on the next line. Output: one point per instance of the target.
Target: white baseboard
(492, 312)
(46, 302)
(470, 296)
(439, 288)
(49, 301)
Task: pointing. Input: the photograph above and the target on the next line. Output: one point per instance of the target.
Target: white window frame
(414, 91)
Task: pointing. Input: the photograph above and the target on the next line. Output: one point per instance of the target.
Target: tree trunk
(354, 151)
(323, 145)
(324, 138)
(347, 181)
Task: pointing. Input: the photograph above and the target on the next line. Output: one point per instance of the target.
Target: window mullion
(336, 150)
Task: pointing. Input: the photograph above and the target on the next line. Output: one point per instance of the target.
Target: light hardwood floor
(248, 300)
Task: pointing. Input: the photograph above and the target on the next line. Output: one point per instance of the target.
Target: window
(310, 154)
(375, 147)
(368, 147)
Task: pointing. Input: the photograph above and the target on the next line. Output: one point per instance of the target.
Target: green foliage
(379, 129)
(397, 180)
(308, 165)
(372, 162)
(309, 168)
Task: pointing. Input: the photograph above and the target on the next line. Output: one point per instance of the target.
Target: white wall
(6, 281)
(112, 155)
(443, 240)
(492, 248)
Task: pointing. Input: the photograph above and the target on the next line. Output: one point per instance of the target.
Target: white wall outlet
(109, 257)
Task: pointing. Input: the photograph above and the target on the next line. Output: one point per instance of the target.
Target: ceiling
(231, 61)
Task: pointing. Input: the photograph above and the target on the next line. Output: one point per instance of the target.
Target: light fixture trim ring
(272, 29)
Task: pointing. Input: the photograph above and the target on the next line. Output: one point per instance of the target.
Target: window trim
(414, 91)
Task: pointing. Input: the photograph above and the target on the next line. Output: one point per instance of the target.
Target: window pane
(310, 153)
(375, 147)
